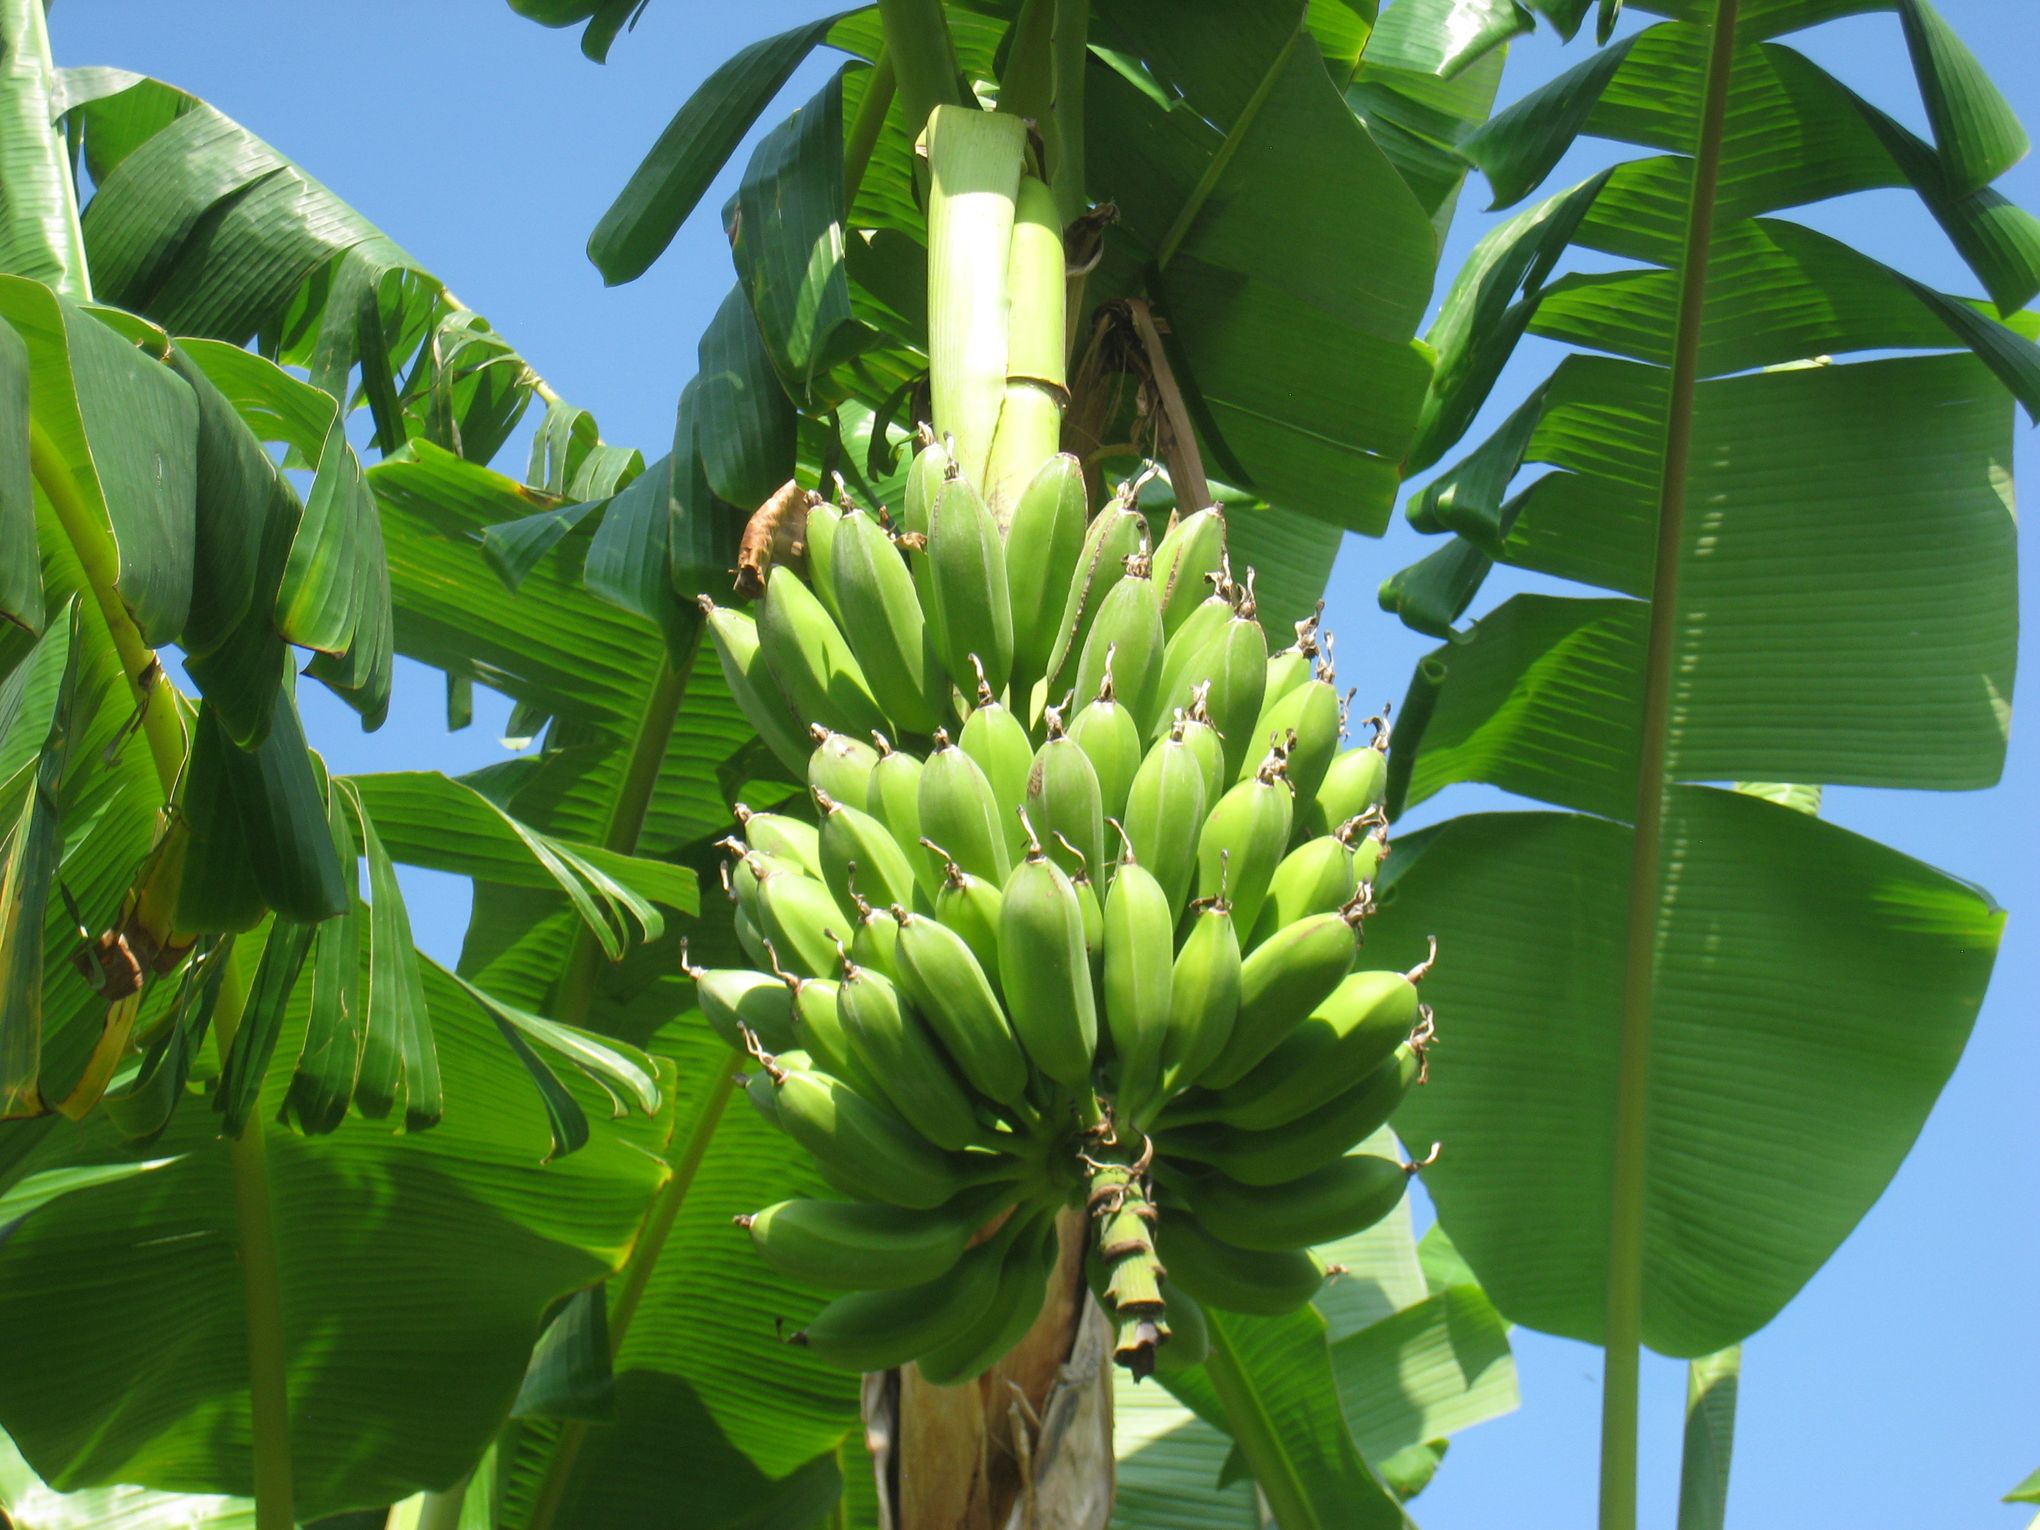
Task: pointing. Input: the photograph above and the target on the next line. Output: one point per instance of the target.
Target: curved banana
(1283, 980)
(757, 694)
(866, 1149)
(731, 999)
(880, 612)
(969, 611)
(810, 659)
(1342, 1198)
(1204, 997)
(997, 739)
(950, 987)
(1125, 641)
(1063, 800)
(1307, 1143)
(1114, 536)
(1244, 838)
(1164, 814)
(1111, 740)
(788, 838)
(842, 766)
(863, 1245)
(1048, 524)
(1046, 971)
(878, 1330)
(1234, 1279)
(1318, 877)
(1023, 1286)
(1139, 939)
(1191, 552)
(959, 811)
(895, 1043)
(969, 906)
(1355, 784)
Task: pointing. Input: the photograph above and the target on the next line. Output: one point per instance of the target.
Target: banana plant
(1680, 1084)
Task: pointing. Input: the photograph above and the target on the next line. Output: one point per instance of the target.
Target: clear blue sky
(1902, 1389)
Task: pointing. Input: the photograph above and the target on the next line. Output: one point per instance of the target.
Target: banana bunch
(1029, 953)
(1075, 920)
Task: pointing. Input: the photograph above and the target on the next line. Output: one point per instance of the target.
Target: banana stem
(1072, 49)
(1036, 392)
(865, 127)
(1623, 1333)
(924, 57)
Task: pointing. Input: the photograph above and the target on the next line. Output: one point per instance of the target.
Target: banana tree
(1687, 1079)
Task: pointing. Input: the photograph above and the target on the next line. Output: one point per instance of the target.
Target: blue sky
(1902, 1388)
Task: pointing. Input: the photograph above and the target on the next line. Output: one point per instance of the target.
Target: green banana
(764, 1099)
(750, 937)
(880, 1330)
(841, 766)
(860, 857)
(1164, 811)
(1139, 947)
(1350, 1033)
(1191, 551)
(1307, 1143)
(1306, 723)
(949, 986)
(866, 1149)
(1063, 799)
(1125, 642)
(1292, 666)
(926, 474)
(1283, 980)
(1356, 783)
(1114, 536)
(1243, 840)
(876, 943)
(959, 811)
(881, 616)
(819, 539)
(1191, 652)
(809, 658)
(1336, 1201)
(893, 797)
(1204, 997)
(1023, 1286)
(731, 998)
(758, 696)
(970, 906)
(1317, 877)
(1369, 850)
(1048, 525)
(997, 739)
(788, 838)
(895, 1042)
(1092, 908)
(1111, 740)
(1205, 745)
(863, 1245)
(1236, 665)
(818, 1031)
(1046, 971)
(801, 920)
(1233, 1279)
(969, 611)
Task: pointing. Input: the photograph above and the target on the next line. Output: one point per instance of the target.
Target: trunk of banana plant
(1028, 1444)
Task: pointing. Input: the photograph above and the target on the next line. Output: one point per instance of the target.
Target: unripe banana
(1283, 980)
(731, 998)
(970, 906)
(948, 984)
(819, 535)
(1126, 642)
(894, 1041)
(1114, 536)
(1045, 970)
(876, 943)
(749, 936)
(1306, 724)
(1353, 1031)
(865, 1147)
(879, 1330)
(788, 838)
(1063, 800)
(810, 659)
(881, 616)
(863, 1245)
(1317, 877)
(1191, 551)
(1206, 746)
(1356, 783)
(1092, 907)
(1235, 1279)
(1237, 668)
(757, 694)
(1370, 849)
(1307, 1143)
(997, 739)
(1043, 541)
(926, 474)
(1107, 734)
(1295, 664)
(1204, 997)
(1243, 841)
(1190, 655)
(893, 797)
(960, 812)
(1164, 814)
(969, 611)
(747, 867)
(1333, 1202)
(818, 1031)
(801, 920)
(841, 766)
(763, 1097)
(859, 857)
(1139, 940)
(1023, 1286)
